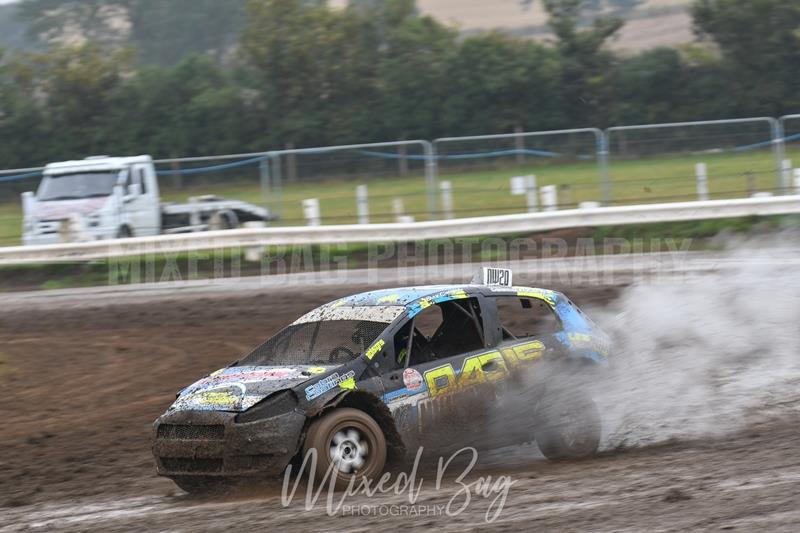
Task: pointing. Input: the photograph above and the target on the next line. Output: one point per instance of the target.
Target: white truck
(105, 197)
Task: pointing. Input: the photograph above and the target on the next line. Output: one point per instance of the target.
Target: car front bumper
(212, 443)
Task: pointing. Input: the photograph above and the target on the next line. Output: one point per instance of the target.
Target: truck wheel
(203, 485)
(350, 443)
(124, 232)
(568, 426)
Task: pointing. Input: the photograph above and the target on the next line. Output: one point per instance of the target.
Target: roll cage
(477, 304)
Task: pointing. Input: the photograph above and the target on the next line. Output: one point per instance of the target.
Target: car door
(440, 361)
(527, 329)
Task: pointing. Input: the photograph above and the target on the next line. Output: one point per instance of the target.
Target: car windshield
(78, 185)
(321, 342)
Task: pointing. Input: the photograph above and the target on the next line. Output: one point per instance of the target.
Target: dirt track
(82, 385)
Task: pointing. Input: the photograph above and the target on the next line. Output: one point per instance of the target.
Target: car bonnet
(238, 388)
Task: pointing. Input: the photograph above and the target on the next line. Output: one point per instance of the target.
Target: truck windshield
(324, 342)
(78, 185)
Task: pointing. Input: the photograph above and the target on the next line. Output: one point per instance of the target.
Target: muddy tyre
(568, 426)
(203, 485)
(350, 443)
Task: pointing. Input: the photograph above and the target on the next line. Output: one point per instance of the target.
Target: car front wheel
(349, 444)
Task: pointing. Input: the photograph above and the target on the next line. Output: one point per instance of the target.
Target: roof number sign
(494, 276)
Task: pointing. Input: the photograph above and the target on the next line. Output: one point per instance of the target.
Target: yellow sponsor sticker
(579, 338)
(348, 384)
(375, 348)
(217, 398)
(539, 294)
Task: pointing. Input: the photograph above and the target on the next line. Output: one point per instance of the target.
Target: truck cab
(93, 199)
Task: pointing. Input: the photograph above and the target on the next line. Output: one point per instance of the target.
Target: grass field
(487, 191)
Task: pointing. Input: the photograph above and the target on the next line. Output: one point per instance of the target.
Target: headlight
(275, 404)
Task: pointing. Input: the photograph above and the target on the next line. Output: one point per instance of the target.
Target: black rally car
(363, 379)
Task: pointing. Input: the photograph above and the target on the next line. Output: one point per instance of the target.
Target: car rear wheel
(348, 442)
(568, 426)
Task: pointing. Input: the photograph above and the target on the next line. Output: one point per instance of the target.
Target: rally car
(365, 379)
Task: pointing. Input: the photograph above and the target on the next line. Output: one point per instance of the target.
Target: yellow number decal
(434, 379)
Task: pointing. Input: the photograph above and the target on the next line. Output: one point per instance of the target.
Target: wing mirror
(134, 189)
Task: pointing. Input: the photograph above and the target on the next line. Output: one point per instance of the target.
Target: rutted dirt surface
(81, 386)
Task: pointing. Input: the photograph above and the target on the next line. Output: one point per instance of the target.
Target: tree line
(303, 74)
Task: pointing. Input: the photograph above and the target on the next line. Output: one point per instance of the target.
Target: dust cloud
(704, 356)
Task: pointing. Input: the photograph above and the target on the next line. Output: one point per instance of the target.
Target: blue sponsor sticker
(325, 384)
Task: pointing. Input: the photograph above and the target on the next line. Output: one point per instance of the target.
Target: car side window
(525, 317)
(440, 331)
(429, 321)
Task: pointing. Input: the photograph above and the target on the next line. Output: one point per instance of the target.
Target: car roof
(408, 296)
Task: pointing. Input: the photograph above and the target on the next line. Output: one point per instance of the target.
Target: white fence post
(526, 185)
(531, 194)
(254, 254)
(702, 181)
(549, 197)
(399, 211)
(797, 181)
(517, 184)
(786, 172)
(362, 204)
(311, 211)
(447, 199)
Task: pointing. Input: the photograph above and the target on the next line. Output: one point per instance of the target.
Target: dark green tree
(585, 62)
(413, 78)
(497, 83)
(648, 87)
(194, 108)
(74, 86)
(164, 32)
(760, 42)
(315, 68)
(22, 122)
